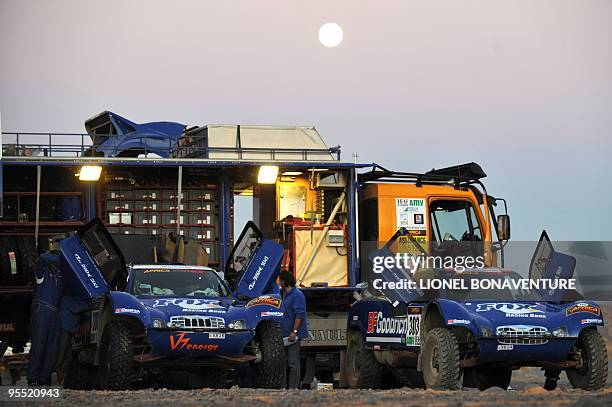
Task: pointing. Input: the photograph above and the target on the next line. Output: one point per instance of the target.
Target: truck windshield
(188, 282)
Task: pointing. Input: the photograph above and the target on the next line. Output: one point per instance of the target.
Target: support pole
(178, 202)
(37, 222)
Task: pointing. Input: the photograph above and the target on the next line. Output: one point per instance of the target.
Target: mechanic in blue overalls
(294, 326)
(70, 310)
(45, 319)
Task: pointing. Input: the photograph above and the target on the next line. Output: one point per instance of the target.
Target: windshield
(178, 282)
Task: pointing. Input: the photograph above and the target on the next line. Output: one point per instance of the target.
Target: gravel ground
(401, 397)
(526, 391)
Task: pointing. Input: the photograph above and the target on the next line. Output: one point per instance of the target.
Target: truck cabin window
(453, 221)
(178, 282)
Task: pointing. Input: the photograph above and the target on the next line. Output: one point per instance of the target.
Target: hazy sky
(522, 87)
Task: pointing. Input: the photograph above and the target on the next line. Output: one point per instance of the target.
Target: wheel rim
(584, 360)
(434, 360)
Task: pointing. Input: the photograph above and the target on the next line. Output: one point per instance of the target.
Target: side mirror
(503, 227)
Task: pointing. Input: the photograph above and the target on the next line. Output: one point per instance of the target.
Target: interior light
(292, 173)
(267, 174)
(90, 173)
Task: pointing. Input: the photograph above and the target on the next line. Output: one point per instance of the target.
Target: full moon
(330, 34)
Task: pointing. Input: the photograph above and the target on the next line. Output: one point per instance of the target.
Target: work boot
(552, 377)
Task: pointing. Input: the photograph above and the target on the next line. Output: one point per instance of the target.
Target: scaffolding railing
(41, 144)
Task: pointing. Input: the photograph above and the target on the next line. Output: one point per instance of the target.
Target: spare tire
(9, 261)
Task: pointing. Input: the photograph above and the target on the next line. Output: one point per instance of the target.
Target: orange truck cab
(445, 205)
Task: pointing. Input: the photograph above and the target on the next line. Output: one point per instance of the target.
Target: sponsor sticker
(189, 304)
(265, 300)
(505, 347)
(408, 327)
(583, 307)
(512, 309)
(457, 322)
(127, 311)
(272, 314)
(591, 321)
(182, 341)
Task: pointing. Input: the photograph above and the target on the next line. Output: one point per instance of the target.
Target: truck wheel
(440, 360)
(592, 370)
(116, 356)
(363, 371)
(408, 377)
(270, 372)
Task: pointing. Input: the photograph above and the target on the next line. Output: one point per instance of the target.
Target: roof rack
(470, 173)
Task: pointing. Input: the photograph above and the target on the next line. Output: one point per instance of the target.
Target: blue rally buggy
(443, 339)
(177, 323)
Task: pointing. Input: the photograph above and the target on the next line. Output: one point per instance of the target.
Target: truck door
(253, 264)
(91, 262)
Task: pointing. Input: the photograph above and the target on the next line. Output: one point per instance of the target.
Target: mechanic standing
(45, 318)
(294, 326)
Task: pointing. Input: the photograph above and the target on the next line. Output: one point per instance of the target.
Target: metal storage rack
(153, 210)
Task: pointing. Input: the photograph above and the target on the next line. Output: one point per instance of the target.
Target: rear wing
(91, 262)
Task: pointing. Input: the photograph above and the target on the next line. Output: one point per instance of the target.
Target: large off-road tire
(269, 373)
(440, 360)
(408, 377)
(363, 371)
(592, 371)
(116, 356)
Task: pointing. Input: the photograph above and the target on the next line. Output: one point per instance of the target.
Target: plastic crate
(172, 205)
(114, 205)
(165, 231)
(170, 218)
(201, 218)
(147, 205)
(203, 233)
(115, 218)
(119, 194)
(201, 206)
(202, 194)
(146, 218)
(145, 194)
(172, 194)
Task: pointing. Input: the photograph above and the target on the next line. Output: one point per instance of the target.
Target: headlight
(238, 324)
(560, 332)
(159, 323)
(486, 332)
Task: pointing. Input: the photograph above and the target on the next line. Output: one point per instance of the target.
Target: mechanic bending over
(294, 326)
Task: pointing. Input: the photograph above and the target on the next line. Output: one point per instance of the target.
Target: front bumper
(528, 349)
(198, 343)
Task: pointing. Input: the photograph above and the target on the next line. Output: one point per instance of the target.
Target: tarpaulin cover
(329, 266)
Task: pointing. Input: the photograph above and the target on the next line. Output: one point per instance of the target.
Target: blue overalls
(45, 319)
